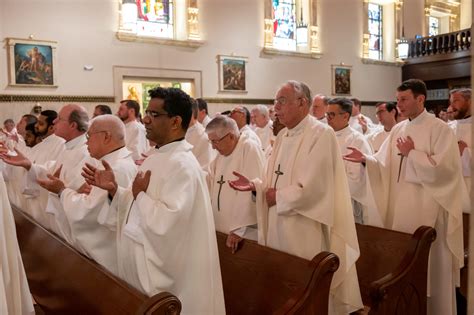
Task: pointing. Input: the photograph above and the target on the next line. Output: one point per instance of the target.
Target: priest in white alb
(263, 125)
(166, 234)
(338, 113)
(387, 115)
(460, 102)
(234, 211)
(303, 200)
(416, 180)
(197, 137)
(15, 297)
(129, 112)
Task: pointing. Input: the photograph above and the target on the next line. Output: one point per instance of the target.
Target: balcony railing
(440, 44)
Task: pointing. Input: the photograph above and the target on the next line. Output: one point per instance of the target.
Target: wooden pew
(392, 269)
(261, 280)
(62, 281)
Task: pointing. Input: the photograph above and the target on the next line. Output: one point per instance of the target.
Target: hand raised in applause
(354, 156)
(462, 145)
(140, 183)
(104, 179)
(52, 183)
(363, 123)
(270, 196)
(241, 183)
(405, 145)
(85, 189)
(16, 160)
(233, 241)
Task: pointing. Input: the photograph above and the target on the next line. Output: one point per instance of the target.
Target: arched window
(291, 28)
(160, 21)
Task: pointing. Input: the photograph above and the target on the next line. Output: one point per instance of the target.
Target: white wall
(85, 32)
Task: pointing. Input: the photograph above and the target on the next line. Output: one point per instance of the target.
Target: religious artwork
(341, 80)
(232, 74)
(284, 24)
(155, 18)
(32, 63)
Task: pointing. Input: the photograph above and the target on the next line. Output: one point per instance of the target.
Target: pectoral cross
(220, 182)
(278, 172)
(400, 166)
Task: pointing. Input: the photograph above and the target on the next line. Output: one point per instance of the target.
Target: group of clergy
(143, 198)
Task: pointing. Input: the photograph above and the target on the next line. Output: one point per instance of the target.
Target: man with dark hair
(203, 114)
(102, 110)
(129, 113)
(241, 115)
(167, 239)
(338, 113)
(416, 180)
(31, 137)
(387, 114)
(197, 136)
(295, 205)
(359, 121)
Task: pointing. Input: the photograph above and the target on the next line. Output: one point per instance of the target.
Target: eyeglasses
(153, 114)
(89, 134)
(217, 141)
(331, 115)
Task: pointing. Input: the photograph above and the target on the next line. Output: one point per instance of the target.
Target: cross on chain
(221, 182)
(278, 172)
(400, 166)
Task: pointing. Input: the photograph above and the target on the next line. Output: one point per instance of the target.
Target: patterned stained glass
(284, 24)
(375, 31)
(434, 26)
(155, 18)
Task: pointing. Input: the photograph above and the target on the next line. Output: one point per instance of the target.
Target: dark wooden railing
(440, 44)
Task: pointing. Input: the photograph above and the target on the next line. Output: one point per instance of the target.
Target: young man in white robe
(71, 125)
(129, 112)
(416, 180)
(106, 142)
(263, 125)
(460, 102)
(234, 211)
(197, 137)
(387, 114)
(359, 121)
(203, 113)
(241, 115)
(303, 200)
(166, 233)
(338, 114)
(15, 296)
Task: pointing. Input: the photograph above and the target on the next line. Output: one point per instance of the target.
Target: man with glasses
(338, 114)
(241, 115)
(303, 200)
(234, 211)
(387, 114)
(166, 233)
(71, 125)
(416, 180)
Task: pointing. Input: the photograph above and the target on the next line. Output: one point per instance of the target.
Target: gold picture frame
(232, 74)
(341, 79)
(32, 63)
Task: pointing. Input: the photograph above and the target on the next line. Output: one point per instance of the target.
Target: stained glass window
(375, 31)
(284, 24)
(155, 18)
(434, 26)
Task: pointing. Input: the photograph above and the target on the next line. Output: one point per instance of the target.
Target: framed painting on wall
(341, 80)
(32, 63)
(232, 74)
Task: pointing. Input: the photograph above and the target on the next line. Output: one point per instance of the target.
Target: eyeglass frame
(89, 134)
(217, 141)
(153, 114)
(283, 100)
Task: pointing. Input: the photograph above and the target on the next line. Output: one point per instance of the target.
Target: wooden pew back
(392, 269)
(261, 280)
(62, 281)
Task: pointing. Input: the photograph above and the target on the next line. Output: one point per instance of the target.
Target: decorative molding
(10, 98)
(243, 101)
(369, 61)
(131, 37)
(277, 52)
